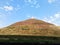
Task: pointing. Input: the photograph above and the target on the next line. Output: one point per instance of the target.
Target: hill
(31, 27)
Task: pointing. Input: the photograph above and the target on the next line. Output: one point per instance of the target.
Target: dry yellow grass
(31, 27)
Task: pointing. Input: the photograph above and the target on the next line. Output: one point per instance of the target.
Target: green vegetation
(9, 27)
(41, 29)
(18, 38)
(25, 28)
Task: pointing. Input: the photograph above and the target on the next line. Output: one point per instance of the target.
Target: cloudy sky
(12, 11)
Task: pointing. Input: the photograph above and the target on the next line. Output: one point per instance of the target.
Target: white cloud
(53, 19)
(51, 1)
(37, 6)
(8, 8)
(33, 17)
(57, 2)
(32, 3)
(57, 15)
(29, 1)
(30, 16)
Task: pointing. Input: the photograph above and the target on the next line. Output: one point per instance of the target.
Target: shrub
(40, 29)
(25, 28)
(11, 27)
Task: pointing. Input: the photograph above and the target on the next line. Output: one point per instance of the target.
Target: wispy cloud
(30, 16)
(53, 19)
(37, 6)
(18, 7)
(57, 15)
(32, 3)
(51, 1)
(56, 2)
(8, 8)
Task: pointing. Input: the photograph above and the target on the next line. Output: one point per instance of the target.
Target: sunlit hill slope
(30, 27)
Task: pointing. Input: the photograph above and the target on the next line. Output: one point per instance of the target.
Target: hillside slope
(33, 27)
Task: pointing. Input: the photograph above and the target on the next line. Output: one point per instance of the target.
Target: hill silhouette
(30, 27)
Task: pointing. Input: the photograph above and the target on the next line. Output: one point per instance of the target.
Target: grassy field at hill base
(28, 39)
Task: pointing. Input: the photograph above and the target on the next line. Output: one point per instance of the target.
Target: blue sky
(12, 11)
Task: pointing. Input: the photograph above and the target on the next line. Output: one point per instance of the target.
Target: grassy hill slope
(30, 27)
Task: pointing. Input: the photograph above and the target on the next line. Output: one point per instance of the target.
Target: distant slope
(58, 27)
(31, 27)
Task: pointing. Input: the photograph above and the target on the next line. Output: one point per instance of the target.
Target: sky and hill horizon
(12, 11)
